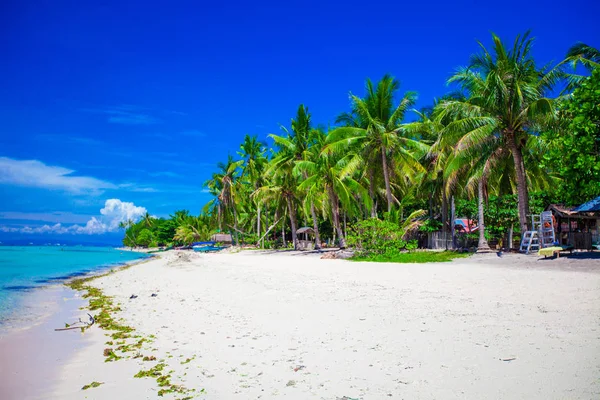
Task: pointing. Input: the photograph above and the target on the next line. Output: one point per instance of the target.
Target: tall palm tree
(253, 152)
(224, 184)
(373, 129)
(506, 97)
(331, 178)
(293, 147)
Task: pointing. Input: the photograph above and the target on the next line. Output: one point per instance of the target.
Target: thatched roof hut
(222, 238)
(307, 243)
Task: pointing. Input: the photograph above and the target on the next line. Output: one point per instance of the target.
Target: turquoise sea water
(25, 268)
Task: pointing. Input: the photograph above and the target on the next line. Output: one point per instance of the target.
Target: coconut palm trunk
(235, 225)
(258, 220)
(315, 226)
(335, 211)
(386, 177)
(372, 193)
(452, 218)
(522, 194)
(292, 222)
(482, 246)
(445, 216)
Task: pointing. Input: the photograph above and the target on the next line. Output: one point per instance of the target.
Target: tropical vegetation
(510, 137)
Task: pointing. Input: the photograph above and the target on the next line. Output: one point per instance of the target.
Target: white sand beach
(254, 325)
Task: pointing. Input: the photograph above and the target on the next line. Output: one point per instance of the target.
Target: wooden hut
(578, 227)
(307, 242)
(224, 238)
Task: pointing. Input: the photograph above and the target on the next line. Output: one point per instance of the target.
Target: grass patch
(413, 257)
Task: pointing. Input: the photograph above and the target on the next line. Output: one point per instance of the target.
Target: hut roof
(305, 229)
(222, 238)
(591, 206)
(570, 212)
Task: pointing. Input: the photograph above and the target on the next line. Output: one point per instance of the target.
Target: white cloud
(34, 173)
(126, 114)
(114, 212)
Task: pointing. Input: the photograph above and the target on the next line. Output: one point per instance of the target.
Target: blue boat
(205, 247)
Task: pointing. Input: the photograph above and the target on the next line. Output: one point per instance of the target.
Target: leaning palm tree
(148, 219)
(506, 97)
(127, 225)
(373, 130)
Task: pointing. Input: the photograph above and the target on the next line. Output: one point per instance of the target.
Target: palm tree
(331, 179)
(373, 128)
(224, 184)
(280, 189)
(588, 56)
(127, 225)
(148, 219)
(506, 98)
(253, 154)
(293, 147)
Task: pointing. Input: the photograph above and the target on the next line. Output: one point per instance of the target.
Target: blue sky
(137, 101)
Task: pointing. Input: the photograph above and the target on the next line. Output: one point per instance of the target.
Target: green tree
(506, 97)
(224, 184)
(373, 129)
(252, 152)
(574, 152)
(326, 177)
(292, 147)
(145, 237)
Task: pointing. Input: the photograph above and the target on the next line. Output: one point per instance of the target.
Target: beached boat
(204, 247)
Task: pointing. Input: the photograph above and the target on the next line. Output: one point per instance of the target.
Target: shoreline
(11, 324)
(28, 365)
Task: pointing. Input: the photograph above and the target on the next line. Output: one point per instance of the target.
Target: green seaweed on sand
(188, 360)
(163, 380)
(92, 385)
(121, 333)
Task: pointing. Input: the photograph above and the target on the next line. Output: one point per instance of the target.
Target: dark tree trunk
(372, 193)
(445, 216)
(522, 191)
(452, 218)
(386, 177)
(235, 226)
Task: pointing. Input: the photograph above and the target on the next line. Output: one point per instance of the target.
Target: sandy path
(270, 326)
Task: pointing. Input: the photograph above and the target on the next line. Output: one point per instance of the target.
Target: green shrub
(373, 236)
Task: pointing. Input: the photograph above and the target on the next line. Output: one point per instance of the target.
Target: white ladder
(530, 241)
(546, 229)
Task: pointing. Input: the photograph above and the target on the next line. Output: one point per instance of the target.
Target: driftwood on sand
(78, 325)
